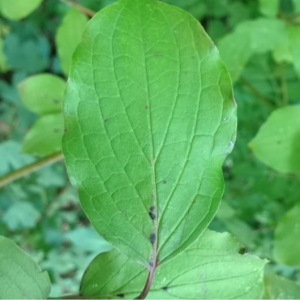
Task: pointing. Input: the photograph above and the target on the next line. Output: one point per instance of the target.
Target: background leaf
(148, 127)
(26, 49)
(251, 37)
(3, 66)
(277, 143)
(45, 136)
(268, 8)
(286, 248)
(21, 216)
(294, 44)
(277, 287)
(20, 276)
(43, 93)
(68, 37)
(16, 9)
(210, 268)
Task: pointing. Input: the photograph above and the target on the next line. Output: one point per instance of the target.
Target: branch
(79, 7)
(15, 175)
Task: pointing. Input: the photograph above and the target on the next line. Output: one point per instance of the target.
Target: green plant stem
(256, 93)
(15, 175)
(79, 7)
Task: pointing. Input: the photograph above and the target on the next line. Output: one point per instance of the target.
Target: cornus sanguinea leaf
(149, 119)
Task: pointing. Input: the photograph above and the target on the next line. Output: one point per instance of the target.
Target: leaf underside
(149, 118)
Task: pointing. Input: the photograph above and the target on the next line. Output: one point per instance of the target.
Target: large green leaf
(210, 268)
(68, 37)
(20, 276)
(277, 143)
(287, 245)
(16, 9)
(149, 117)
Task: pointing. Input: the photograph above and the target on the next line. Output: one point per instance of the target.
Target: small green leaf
(20, 276)
(210, 268)
(12, 158)
(68, 37)
(113, 275)
(43, 93)
(18, 9)
(149, 117)
(277, 143)
(21, 215)
(45, 136)
(277, 287)
(287, 245)
(268, 8)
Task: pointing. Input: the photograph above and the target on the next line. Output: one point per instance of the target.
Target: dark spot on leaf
(55, 101)
(105, 120)
(242, 250)
(164, 181)
(56, 130)
(152, 213)
(152, 238)
(146, 106)
(120, 295)
(165, 288)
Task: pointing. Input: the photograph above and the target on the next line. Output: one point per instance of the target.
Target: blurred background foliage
(259, 42)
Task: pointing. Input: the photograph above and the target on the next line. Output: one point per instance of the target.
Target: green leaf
(12, 158)
(20, 276)
(287, 245)
(251, 37)
(16, 9)
(113, 275)
(277, 143)
(27, 50)
(68, 37)
(3, 66)
(277, 287)
(43, 93)
(210, 268)
(296, 4)
(21, 215)
(149, 117)
(269, 8)
(45, 136)
(235, 50)
(294, 45)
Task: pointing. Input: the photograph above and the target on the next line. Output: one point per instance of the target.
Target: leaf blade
(21, 278)
(140, 122)
(277, 142)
